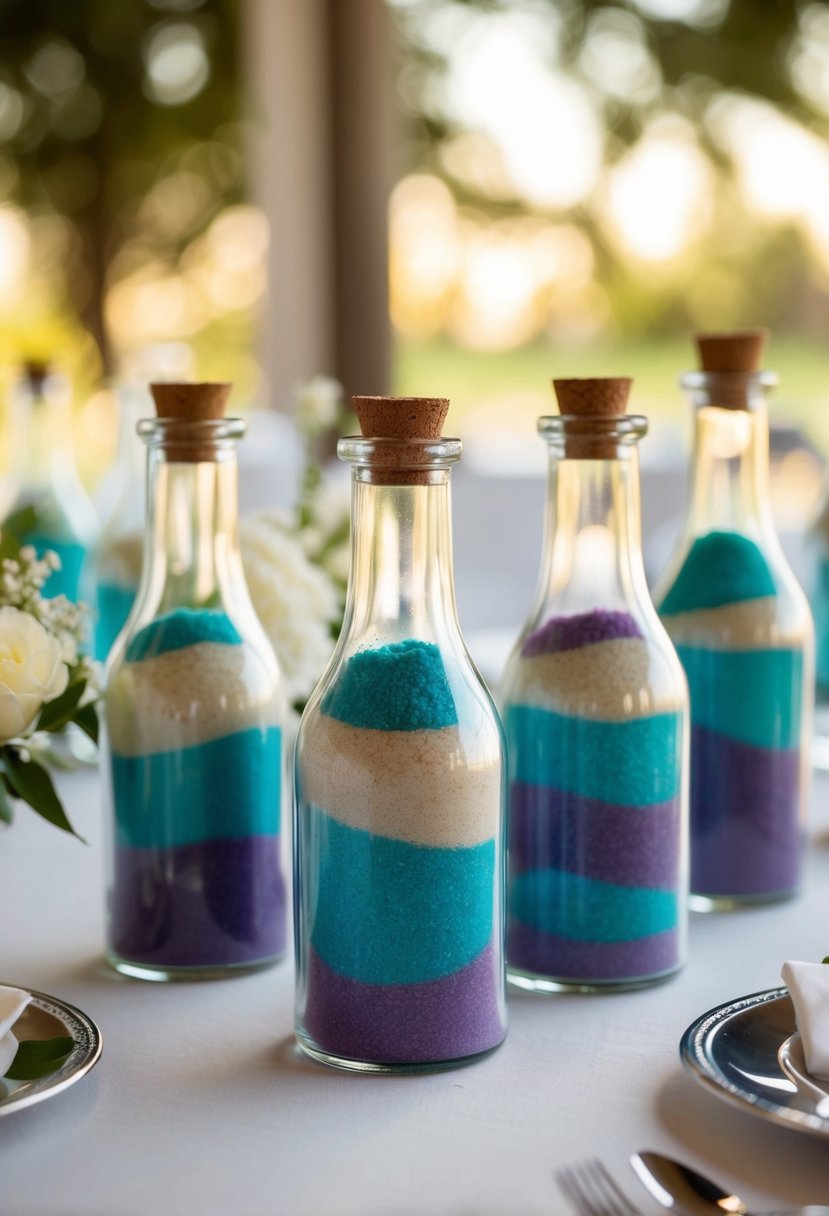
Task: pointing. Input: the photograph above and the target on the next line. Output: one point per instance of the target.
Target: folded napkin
(808, 985)
(12, 1003)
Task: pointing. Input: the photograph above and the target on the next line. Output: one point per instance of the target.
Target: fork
(591, 1191)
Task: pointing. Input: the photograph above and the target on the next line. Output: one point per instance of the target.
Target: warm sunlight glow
(659, 196)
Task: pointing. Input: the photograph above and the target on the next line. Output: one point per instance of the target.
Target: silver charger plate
(46, 1017)
(748, 1051)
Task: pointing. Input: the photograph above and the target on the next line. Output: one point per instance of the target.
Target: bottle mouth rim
(700, 379)
(205, 433)
(392, 453)
(623, 428)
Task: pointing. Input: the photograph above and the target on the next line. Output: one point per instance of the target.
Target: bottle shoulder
(734, 591)
(611, 664)
(186, 677)
(408, 690)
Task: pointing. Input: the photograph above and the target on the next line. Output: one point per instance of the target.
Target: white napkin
(808, 985)
(12, 1003)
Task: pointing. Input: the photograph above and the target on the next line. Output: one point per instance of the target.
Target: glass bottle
(742, 628)
(817, 586)
(193, 714)
(595, 710)
(120, 552)
(399, 850)
(48, 482)
(120, 496)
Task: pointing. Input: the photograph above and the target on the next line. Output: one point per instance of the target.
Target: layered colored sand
(595, 812)
(196, 778)
(398, 868)
(746, 684)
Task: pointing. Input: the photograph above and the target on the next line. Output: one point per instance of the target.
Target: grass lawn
(498, 391)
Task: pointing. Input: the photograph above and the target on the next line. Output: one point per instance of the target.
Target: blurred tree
(717, 70)
(102, 106)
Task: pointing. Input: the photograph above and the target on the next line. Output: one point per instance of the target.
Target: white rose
(32, 670)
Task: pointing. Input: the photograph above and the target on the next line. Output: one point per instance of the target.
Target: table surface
(201, 1104)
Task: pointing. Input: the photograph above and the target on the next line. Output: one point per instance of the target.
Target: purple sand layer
(745, 830)
(572, 632)
(635, 846)
(445, 1019)
(216, 903)
(563, 958)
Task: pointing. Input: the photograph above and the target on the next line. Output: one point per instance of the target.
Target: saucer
(47, 1017)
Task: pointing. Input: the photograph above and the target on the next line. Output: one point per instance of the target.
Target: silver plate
(45, 1017)
(748, 1052)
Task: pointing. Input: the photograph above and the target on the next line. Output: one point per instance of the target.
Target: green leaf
(6, 808)
(55, 714)
(9, 546)
(825, 960)
(40, 1057)
(87, 719)
(19, 523)
(31, 782)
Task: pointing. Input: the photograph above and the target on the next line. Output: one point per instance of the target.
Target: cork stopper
(188, 404)
(36, 371)
(407, 419)
(592, 404)
(730, 358)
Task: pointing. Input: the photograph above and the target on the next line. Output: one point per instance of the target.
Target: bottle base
(734, 903)
(347, 1064)
(545, 985)
(159, 974)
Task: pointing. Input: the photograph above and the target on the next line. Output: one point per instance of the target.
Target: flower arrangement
(296, 562)
(46, 682)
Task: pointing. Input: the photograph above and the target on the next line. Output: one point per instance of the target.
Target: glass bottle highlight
(399, 850)
(742, 627)
(48, 483)
(193, 713)
(595, 710)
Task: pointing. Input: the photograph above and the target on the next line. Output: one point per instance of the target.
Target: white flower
(32, 670)
(12, 1003)
(317, 404)
(296, 601)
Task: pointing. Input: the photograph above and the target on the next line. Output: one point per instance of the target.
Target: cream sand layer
(406, 785)
(747, 625)
(608, 680)
(184, 697)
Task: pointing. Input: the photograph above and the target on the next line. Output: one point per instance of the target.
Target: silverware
(591, 1191)
(687, 1193)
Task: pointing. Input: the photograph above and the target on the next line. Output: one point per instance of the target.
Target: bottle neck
(592, 536)
(191, 549)
(401, 581)
(730, 467)
(42, 439)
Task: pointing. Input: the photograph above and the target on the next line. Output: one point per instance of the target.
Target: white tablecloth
(200, 1103)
